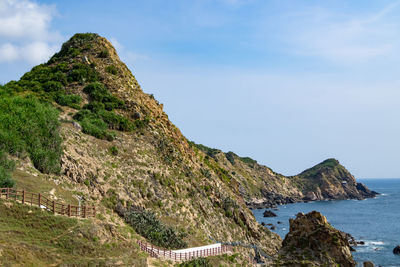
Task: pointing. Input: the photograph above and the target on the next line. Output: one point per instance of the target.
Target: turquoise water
(375, 221)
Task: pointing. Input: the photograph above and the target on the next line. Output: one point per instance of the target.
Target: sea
(376, 221)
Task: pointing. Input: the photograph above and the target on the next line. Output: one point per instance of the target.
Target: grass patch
(30, 236)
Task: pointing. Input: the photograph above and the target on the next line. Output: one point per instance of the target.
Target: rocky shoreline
(272, 200)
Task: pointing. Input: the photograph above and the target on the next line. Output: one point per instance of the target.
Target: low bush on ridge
(146, 224)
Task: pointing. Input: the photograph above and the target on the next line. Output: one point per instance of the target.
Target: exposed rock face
(313, 241)
(269, 213)
(396, 250)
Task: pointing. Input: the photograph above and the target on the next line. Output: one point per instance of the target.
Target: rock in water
(269, 213)
(313, 241)
(396, 250)
(368, 264)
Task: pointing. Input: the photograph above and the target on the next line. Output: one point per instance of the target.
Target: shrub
(6, 167)
(72, 101)
(104, 53)
(230, 207)
(82, 73)
(113, 150)
(115, 121)
(248, 161)
(42, 78)
(198, 262)
(146, 224)
(95, 127)
(31, 127)
(98, 92)
(53, 86)
(230, 156)
(112, 70)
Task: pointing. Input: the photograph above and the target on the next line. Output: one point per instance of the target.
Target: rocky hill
(83, 127)
(261, 187)
(312, 241)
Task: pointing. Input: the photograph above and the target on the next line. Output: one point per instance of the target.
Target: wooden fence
(47, 204)
(157, 252)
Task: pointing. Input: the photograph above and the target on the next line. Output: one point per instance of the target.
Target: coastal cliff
(261, 187)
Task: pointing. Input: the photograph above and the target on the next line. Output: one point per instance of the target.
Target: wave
(374, 243)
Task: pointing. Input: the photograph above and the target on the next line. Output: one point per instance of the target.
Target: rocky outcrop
(269, 213)
(314, 242)
(396, 250)
(368, 264)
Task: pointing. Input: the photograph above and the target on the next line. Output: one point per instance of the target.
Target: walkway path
(185, 254)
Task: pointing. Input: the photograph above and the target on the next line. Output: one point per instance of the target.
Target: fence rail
(157, 252)
(37, 199)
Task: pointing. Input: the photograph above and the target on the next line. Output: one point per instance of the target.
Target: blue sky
(288, 83)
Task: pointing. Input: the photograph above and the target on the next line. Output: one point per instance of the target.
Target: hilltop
(82, 126)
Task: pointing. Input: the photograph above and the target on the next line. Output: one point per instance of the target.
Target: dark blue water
(375, 221)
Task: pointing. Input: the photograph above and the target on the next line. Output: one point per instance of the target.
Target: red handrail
(45, 203)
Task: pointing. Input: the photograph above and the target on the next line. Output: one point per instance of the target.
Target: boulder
(311, 234)
(137, 115)
(269, 213)
(368, 264)
(77, 126)
(311, 196)
(396, 250)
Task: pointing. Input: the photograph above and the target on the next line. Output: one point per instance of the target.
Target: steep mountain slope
(120, 150)
(121, 153)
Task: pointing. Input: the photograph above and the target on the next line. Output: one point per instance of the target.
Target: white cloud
(125, 54)
(25, 33)
(345, 39)
(8, 52)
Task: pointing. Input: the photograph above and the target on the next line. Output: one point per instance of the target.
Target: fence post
(69, 210)
(23, 196)
(39, 198)
(8, 192)
(84, 211)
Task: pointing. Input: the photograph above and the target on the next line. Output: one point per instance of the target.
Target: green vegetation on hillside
(146, 224)
(211, 152)
(49, 82)
(199, 262)
(6, 167)
(29, 126)
(326, 164)
(70, 49)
